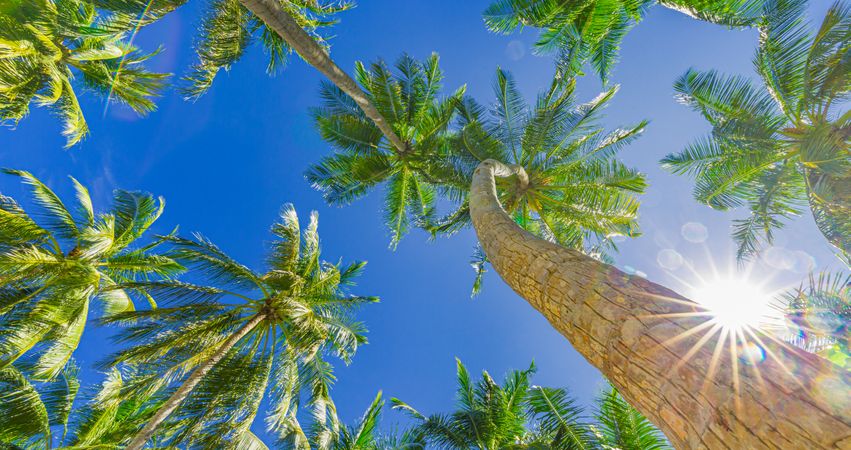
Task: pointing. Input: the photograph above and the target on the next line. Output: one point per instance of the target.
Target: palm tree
(53, 268)
(516, 414)
(819, 316)
(591, 31)
(230, 26)
(216, 362)
(573, 190)
(101, 418)
(45, 44)
(647, 340)
(364, 157)
(778, 146)
(577, 194)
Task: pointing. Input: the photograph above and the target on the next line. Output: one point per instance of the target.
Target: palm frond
(621, 426)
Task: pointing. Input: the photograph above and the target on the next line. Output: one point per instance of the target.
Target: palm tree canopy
(776, 146)
(583, 32)
(305, 313)
(577, 193)
(53, 267)
(45, 44)
(409, 99)
(517, 415)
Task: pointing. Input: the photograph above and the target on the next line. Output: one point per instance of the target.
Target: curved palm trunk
(197, 375)
(274, 16)
(632, 331)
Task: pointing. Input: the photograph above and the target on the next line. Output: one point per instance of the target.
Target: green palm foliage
(100, 419)
(620, 426)
(578, 194)
(365, 434)
(776, 146)
(294, 315)
(580, 32)
(46, 44)
(55, 263)
(409, 100)
(819, 316)
(516, 414)
(32, 410)
(103, 418)
(228, 29)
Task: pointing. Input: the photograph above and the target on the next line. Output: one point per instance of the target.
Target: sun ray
(713, 362)
(752, 360)
(687, 333)
(734, 367)
(696, 347)
(777, 359)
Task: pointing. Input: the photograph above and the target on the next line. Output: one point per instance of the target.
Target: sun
(736, 303)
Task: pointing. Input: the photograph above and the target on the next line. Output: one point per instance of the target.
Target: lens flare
(736, 303)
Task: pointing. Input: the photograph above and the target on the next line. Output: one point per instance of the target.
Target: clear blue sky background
(227, 163)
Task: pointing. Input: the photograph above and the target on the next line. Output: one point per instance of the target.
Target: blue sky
(227, 162)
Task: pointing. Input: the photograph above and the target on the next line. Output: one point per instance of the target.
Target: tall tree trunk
(276, 18)
(197, 375)
(632, 331)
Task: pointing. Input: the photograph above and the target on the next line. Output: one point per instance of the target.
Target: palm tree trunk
(197, 375)
(276, 18)
(637, 333)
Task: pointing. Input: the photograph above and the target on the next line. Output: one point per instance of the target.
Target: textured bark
(276, 18)
(622, 325)
(180, 394)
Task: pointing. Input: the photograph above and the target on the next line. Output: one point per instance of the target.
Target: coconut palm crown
(409, 99)
(580, 32)
(46, 44)
(516, 414)
(54, 264)
(264, 335)
(783, 143)
(571, 190)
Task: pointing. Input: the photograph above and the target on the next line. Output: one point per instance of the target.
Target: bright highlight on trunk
(704, 384)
